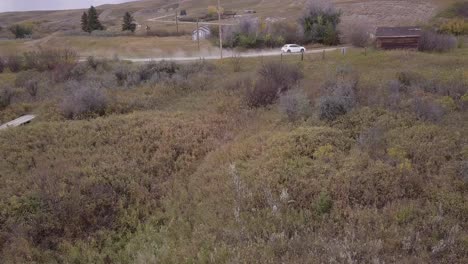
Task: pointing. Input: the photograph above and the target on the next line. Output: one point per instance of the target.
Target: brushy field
(350, 159)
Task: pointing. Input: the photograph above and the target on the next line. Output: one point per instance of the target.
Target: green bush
(21, 31)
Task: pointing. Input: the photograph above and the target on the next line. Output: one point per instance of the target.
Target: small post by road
(323, 55)
(220, 31)
(302, 56)
(198, 37)
(365, 51)
(177, 21)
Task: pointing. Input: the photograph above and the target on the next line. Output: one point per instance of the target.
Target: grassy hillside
(178, 166)
(62, 28)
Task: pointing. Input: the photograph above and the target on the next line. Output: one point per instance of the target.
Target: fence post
(302, 56)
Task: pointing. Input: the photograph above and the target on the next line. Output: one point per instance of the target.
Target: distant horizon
(47, 5)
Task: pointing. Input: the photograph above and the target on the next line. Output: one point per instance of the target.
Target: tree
(85, 22)
(128, 22)
(93, 20)
(320, 22)
(21, 31)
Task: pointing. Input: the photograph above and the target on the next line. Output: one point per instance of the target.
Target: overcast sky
(24, 5)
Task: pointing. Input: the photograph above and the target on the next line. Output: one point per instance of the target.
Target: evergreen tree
(128, 22)
(93, 20)
(84, 22)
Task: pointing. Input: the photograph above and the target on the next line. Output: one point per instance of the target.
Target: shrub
(263, 93)
(409, 78)
(50, 59)
(6, 94)
(161, 69)
(15, 63)
(343, 84)
(372, 141)
(393, 96)
(121, 74)
(274, 79)
(331, 107)
(359, 35)
(455, 26)
(324, 204)
(464, 171)
(427, 110)
(288, 32)
(295, 105)
(84, 102)
(93, 63)
(2, 65)
(32, 87)
(78, 71)
(284, 76)
(431, 41)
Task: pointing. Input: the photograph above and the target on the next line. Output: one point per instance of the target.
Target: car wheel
(302, 50)
(289, 51)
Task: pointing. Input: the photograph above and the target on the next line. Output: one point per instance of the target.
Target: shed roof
(386, 32)
(203, 28)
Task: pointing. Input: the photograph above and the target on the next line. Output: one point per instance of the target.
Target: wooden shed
(398, 37)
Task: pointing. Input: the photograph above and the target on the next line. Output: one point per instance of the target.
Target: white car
(292, 48)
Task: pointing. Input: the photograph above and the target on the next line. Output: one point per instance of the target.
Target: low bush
(273, 79)
(2, 65)
(95, 63)
(427, 109)
(431, 41)
(359, 34)
(161, 69)
(285, 76)
(331, 107)
(86, 101)
(409, 78)
(32, 87)
(263, 93)
(15, 63)
(393, 94)
(295, 105)
(6, 94)
(50, 59)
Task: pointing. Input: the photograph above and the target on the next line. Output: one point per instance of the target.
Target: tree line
(90, 21)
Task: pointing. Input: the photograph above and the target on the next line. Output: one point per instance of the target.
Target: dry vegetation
(356, 158)
(351, 159)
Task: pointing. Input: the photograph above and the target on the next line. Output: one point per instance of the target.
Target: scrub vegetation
(347, 159)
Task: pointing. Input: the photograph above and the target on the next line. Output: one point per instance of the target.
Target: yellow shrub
(455, 26)
(448, 103)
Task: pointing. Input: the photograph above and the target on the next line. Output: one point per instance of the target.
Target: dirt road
(228, 54)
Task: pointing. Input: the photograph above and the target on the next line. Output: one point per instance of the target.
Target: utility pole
(220, 29)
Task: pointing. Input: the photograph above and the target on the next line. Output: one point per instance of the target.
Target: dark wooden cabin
(398, 37)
